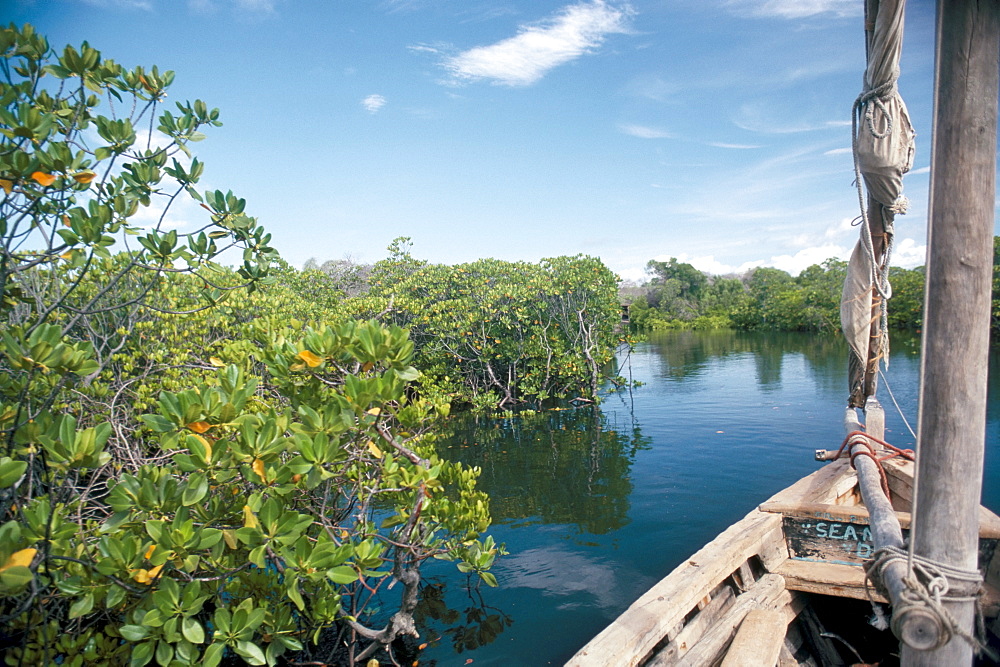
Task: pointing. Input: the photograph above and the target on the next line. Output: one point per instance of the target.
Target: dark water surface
(597, 505)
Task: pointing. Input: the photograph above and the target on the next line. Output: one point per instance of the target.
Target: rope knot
(930, 584)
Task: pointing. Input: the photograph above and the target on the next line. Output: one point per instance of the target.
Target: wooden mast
(957, 302)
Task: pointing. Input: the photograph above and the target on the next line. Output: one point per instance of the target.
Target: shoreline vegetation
(678, 296)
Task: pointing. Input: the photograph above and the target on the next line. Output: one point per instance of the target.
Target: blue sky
(714, 131)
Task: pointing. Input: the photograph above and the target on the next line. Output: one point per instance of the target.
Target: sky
(714, 131)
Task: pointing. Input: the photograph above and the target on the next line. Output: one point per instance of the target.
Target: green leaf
(134, 633)
(10, 471)
(296, 596)
(251, 652)
(213, 655)
(82, 607)
(488, 578)
(342, 574)
(142, 654)
(193, 631)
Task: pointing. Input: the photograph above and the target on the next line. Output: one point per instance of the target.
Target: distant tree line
(680, 296)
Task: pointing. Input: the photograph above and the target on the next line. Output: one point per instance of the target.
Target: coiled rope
(930, 584)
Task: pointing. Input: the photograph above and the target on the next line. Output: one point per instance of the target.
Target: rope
(909, 428)
(861, 438)
(929, 584)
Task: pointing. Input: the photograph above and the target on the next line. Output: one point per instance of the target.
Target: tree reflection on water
(568, 466)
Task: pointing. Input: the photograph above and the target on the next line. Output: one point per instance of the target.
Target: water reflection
(688, 354)
(567, 466)
(476, 624)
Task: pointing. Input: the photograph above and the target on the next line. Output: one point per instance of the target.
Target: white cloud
(718, 144)
(373, 103)
(256, 6)
(908, 254)
(838, 151)
(247, 7)
(145, 5)
(922, 170)
(644, 132)
(524, 59)
(796, 9)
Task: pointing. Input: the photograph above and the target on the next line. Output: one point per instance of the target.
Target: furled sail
(883, 142)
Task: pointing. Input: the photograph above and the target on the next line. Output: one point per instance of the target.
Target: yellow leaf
(43, 178)
(373, 448)
(84, 176)
(67, 255)
(249, 520)
(368, 366)
(215, 361)
(149, 551)
(6, 185)
(258, 467)
(199, 427)
(375, 411)
(20, 558)
(230, 537)
(143, 576)
(208, 446)
(309, 358)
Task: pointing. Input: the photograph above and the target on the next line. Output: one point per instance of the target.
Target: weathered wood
(841, 513)
(813, 631)
(838, 580)
(691, 632)
(759, 640)
(794, 653)
(634, 634)
(957, 302)
(874, 418)
(768, 593)
(827, 485)
(822, 540)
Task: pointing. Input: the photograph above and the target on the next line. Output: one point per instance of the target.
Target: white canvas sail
(883, 152)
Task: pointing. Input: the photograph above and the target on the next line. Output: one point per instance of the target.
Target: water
(597, 505)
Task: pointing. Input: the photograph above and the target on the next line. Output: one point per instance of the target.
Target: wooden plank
(821, 511)
(759, 640)
(812, 630)
(989, 523)
(768, 593)
(845, 581)
(634, 634)
(695, 629)
(823, 540)
(823, 486)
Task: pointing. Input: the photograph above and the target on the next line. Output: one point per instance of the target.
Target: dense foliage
(186, 477)
(495, 334)
(679, 296)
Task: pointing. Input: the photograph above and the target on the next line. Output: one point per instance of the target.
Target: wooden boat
(755, 594)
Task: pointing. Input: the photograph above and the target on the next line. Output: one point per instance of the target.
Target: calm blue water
(596, 506)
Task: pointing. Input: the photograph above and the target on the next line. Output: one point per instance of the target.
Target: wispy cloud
(537, 48)
(719, 144)
(795, 9)
(145, 5)
(837, 151)
(644, 132)
(251, 8)
(373, 103)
